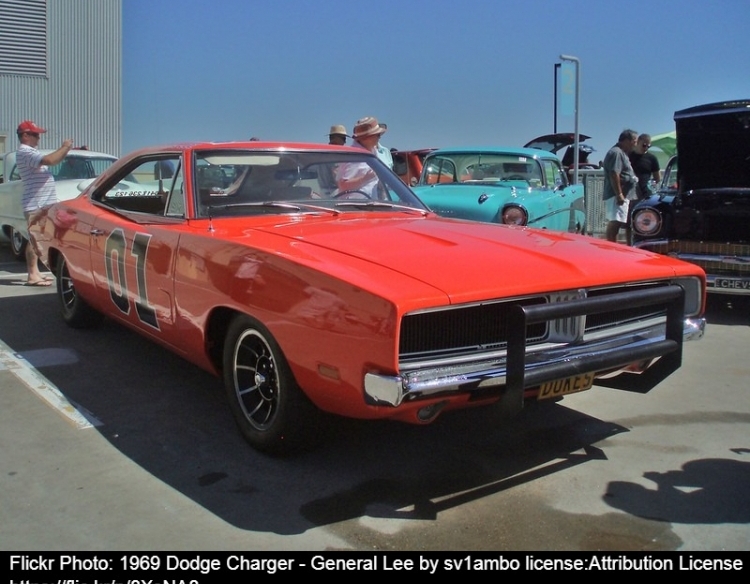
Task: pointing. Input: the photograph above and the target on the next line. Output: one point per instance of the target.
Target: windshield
(234, 183)
(78, 167)
(669, 180)
(479, 167)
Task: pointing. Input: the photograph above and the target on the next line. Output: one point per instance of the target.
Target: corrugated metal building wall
(80, 94)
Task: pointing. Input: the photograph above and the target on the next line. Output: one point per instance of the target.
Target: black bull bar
(671, 298)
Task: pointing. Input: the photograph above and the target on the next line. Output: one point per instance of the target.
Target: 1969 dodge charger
(312, 279)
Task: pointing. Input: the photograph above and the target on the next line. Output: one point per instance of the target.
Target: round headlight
(514, 216)
(647, 222)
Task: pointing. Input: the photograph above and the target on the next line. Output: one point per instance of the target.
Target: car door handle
(96, 232)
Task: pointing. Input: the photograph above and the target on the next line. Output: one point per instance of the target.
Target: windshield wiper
(275, 204)
(380, 205)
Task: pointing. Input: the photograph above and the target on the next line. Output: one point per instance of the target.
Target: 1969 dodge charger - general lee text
(311, 278)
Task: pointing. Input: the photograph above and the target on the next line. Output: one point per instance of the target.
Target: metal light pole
(554, 105)
(577, 62)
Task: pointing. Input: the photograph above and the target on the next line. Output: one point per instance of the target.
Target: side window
(535, 174)
(439, 170)
(176, 197)
(71, 167)
(143, 187)
(669, 180)
(554, 174)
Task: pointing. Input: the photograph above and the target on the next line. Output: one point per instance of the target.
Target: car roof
(248, 145)
(245, 145)
(415, 151)
(512, 150)
(80, 153)
(77, 152)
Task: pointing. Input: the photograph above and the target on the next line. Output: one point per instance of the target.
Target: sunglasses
(646, 146)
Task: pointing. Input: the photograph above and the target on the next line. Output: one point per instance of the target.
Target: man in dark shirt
(645, 165)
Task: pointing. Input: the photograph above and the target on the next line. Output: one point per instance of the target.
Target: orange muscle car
(311, 278)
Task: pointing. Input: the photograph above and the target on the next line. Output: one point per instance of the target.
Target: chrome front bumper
(520, 367)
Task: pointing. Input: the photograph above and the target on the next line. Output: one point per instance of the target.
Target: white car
(72, 175)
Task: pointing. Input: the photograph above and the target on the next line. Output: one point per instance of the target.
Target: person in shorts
(619, 185)
(38, 187)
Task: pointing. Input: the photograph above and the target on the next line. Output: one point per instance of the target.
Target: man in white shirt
(360, 176)
(38, 186)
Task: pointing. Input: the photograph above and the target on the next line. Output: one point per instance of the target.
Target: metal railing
(593, 189)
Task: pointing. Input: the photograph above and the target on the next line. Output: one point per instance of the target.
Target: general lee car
(701, 213)
(513, 186)
(249, 260)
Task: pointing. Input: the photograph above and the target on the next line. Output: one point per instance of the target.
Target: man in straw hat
(337, 136)
(360, 176)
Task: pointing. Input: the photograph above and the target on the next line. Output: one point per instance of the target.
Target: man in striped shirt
(38, 186)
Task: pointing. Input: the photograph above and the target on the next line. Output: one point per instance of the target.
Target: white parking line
(43, 388)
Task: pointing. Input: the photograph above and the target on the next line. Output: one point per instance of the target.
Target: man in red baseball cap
(38, 186)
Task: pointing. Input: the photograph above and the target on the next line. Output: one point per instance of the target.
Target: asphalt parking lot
(109, 442)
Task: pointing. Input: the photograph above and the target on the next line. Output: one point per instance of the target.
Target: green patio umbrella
(667, 143)
(666, 147)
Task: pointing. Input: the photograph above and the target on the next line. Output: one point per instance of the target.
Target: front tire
(270, 409)
(18, 245)
(76, 312)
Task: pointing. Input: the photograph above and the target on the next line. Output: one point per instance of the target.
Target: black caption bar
(210, 567)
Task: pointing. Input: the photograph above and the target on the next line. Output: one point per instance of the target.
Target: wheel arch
(217, 326)
(52, 256)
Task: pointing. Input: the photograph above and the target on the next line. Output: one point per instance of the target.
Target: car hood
(468, 261)
(555, 142)
(713, 143)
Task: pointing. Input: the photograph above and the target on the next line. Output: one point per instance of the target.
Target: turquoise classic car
(514, 186)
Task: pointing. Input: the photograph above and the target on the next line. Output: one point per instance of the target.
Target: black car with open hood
(701, 214)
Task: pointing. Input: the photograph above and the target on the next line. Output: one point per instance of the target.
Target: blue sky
(439, 72)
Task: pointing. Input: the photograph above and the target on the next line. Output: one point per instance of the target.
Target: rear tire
(18, 245)
(76, 312)
(270, 409)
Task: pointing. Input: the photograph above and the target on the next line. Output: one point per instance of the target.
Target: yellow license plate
(561, 387)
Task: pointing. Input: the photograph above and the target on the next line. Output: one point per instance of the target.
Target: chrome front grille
(620, 316)
(461, 331)
(713, 257)
(464, 332)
